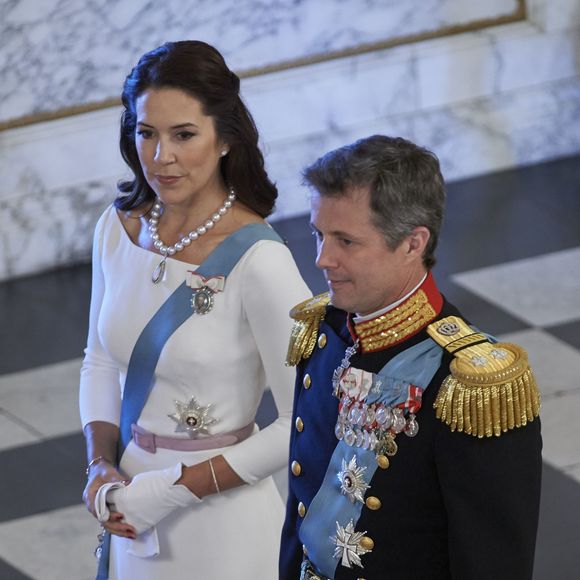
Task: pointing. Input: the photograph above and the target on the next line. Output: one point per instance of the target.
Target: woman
(192, 495)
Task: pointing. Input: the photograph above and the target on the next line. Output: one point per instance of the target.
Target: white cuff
(150, 497)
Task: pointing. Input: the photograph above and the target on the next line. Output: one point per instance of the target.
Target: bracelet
(217, 487)
(94, 462)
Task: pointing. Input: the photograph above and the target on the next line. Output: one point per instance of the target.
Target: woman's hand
(119, 527)
(150, 497)
(99, 474)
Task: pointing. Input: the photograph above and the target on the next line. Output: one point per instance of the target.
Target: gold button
(299, 424)
(296, 468)
(307, 381)
(366, 543)
(301, 510)
(322, 340)
(373, 503)
(383, 461)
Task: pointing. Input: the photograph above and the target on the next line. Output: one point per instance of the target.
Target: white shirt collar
(357, 319)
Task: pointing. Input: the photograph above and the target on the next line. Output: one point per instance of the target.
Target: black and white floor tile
(509, 257)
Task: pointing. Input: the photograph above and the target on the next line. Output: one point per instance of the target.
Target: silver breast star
(192, 417)
(348, 545)
(352, 483)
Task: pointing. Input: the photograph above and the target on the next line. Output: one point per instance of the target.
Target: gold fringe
(302, 340)
(308, 316)
(491, 388)
(488, 410)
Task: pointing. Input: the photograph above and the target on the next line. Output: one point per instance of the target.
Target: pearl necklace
(193, 235)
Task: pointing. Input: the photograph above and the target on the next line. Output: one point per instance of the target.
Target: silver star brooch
(352, 483)
(192, 417)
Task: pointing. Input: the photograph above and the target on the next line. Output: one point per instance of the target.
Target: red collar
(407, 319)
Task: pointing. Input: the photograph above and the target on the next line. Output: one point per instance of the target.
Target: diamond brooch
(352, 483)
(192, 417)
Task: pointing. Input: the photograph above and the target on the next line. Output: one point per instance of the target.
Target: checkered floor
(509, 259)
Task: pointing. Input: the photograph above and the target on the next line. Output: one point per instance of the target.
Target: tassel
(488, 410)
(491, 388)
(307, 318)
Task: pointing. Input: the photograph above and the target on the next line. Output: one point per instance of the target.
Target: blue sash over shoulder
(331, 519)
(172, 314)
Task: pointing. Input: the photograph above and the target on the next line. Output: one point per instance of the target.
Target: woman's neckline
(127, 237)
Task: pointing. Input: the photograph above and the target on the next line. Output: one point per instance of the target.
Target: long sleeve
(491, 492)
(100, 394)
(272, 285)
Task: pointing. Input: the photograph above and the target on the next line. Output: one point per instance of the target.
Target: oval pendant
(202, 300)
(159, 272)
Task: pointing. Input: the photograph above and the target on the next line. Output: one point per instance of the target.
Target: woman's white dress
(225, 359)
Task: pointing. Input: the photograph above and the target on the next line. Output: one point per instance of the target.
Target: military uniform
(415, 454)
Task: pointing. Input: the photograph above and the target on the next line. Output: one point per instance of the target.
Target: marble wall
(318, 75)
(78, 53)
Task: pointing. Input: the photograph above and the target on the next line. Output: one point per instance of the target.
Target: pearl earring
(224, 153)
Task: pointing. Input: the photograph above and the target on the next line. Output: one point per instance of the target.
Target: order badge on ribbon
(202, 298)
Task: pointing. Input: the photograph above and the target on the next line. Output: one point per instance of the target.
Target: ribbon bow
(196, 281)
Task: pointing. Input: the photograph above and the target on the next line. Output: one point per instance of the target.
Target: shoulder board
(307, 318)
(491, 388)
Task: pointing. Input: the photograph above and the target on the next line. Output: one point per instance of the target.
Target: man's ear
(417, 242)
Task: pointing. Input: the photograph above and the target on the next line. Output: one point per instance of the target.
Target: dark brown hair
(200, 70)
(404, 180)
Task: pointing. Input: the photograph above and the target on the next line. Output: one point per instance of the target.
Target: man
(416, 447)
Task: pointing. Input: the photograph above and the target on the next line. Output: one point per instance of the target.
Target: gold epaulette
(491, 388)
(307, 318)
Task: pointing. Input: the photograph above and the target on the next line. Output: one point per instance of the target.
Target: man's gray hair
(404, 180)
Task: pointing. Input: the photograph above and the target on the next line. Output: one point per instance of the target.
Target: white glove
(148, 498)
(101, 507)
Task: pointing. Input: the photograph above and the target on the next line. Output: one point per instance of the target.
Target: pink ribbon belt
(150, 442)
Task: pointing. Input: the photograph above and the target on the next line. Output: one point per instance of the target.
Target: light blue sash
(416, 365)
(172, 314)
